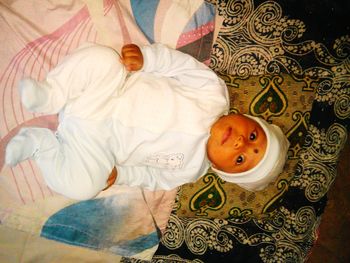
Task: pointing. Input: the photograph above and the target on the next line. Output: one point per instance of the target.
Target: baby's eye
(240, 159)
(253, 136)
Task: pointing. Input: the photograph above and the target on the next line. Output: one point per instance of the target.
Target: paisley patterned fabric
(301, 85)
(277, 98)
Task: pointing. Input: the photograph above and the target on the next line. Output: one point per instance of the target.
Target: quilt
(35, 36)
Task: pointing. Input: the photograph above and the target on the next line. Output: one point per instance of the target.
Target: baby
(157, 128)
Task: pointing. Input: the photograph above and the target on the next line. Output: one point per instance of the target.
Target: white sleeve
(198, 82)
(175, 64)
(151, 178)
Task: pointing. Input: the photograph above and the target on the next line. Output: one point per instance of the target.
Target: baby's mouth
(226, 135)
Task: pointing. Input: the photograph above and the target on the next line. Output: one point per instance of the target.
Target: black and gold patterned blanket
(289, 63)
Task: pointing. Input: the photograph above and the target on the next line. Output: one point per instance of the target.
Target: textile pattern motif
(257, 41)
(277, 98)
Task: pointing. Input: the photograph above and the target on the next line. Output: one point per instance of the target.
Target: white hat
(270, 166)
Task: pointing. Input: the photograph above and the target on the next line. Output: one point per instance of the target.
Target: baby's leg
(68, 167)
(89, 75)
(26, 143)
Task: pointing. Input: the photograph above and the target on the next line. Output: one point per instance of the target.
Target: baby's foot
(33, 95)
(22, 146)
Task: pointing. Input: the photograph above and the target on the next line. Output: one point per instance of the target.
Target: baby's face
(236, 143)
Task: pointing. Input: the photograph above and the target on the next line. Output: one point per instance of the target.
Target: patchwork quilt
(35, 36)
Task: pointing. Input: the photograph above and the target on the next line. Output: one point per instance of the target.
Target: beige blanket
(35, 36)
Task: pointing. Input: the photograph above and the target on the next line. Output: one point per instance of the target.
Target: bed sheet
(35, 36)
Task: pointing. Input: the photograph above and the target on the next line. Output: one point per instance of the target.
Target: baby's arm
(169, 62)
(151, 178)
(196, 80)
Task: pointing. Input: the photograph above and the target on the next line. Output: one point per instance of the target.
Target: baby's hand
(111, 179)
(132, 57)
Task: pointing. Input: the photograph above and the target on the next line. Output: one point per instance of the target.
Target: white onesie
(151, 125)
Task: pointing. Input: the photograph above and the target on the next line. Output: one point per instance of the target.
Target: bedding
(35, 36)
(276, 69)
(277, 64)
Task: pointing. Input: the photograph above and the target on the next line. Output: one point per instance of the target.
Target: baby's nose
(239, 142)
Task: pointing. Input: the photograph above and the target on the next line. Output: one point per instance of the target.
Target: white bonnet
(270, 166)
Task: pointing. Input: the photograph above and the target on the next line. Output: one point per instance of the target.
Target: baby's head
(247, 150)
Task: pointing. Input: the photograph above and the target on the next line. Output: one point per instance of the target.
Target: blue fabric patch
(204, 14)
(94, 224)
(144, 13)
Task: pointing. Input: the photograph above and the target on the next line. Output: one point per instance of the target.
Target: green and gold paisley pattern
(265, 79)
(277, 98)
(211, 197)
(261, 56)
(271, 101)
(298, 132)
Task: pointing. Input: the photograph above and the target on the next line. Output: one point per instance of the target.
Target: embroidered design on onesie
(166, 161)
